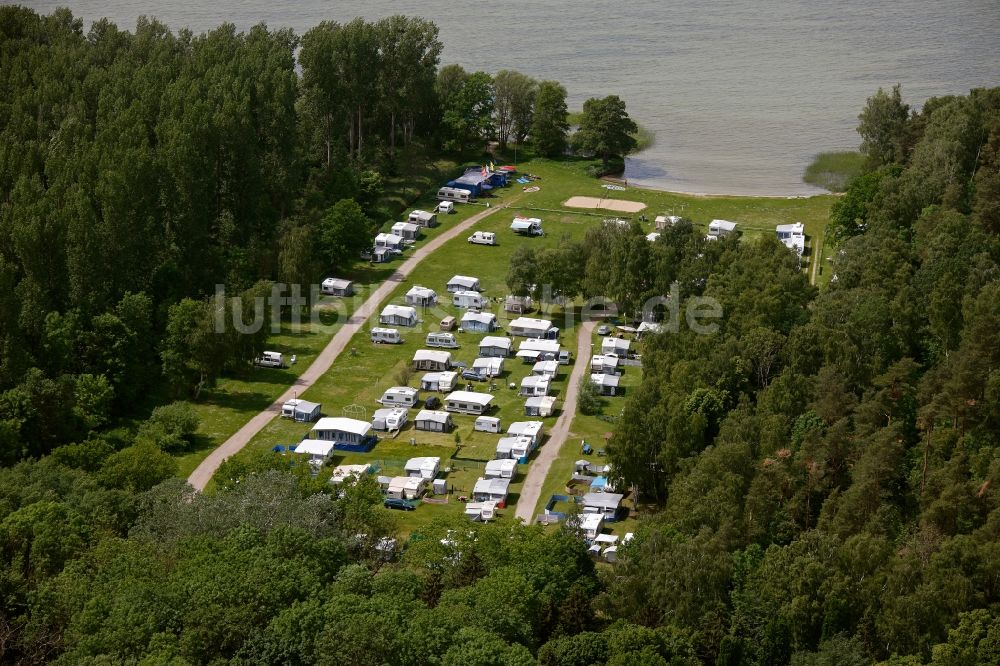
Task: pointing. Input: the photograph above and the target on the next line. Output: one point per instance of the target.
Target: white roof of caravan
(540, 401)
(435, 415)
(796, 228)
(488, 419)
(378, 329)
(491, 486)
(303, 405)
(440, 377)
(399, 483)
(615, 344)
(534, 344)
(536, 380)
(591, 521)
(316, 447)
(465, 292)
(603, 500)
(408, 390)
(649, 326)
(496, 341)
(432, 355)
(605, 380)
(525, 428)
(488, 362)
(547, 367)
(529, 353)
(341, 472)
(464, 281)
(722, 224)
(337, 283)
(470, 396)
(653, 236)
(422, 462)
(405, 226)
(389, 239)
(398, 311)
(421, 292)
(601, 359)
(388, 411)
(531, 322)
(481, 317)
(606, 538)
(353, 426)
(421, 213)
(500, 465)
(524, 223)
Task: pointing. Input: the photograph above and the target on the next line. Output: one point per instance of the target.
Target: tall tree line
(826, 464)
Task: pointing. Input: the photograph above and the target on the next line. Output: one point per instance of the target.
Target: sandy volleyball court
(607, 204)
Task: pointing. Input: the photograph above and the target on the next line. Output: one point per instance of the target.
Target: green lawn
(833, 171)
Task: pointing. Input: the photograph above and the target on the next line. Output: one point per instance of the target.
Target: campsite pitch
(606, 204)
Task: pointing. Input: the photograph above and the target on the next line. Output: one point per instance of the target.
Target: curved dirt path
(539, 470)
(203, 473)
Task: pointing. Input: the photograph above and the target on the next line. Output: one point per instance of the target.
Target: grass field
(832, 171)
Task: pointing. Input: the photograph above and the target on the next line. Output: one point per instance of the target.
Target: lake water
(740, 94)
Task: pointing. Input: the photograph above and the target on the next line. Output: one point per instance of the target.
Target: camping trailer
(479, 322)
(423, 218)
(487, 424)
(468, 299)
(300, 410)
(389, 419)
(528, 327)
(446, 340)
(270, 359)
(386, 336)
(433, 421)
(400, 396)
(454, 194)
(421, 296)
(463, 283)
(493, 346)
(468, 402)
(441, 382)
(434, 361)
(527, 226)
(336, 287)
(398, 315)
(406, 230)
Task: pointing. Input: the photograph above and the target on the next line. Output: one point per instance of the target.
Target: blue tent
(598, 484)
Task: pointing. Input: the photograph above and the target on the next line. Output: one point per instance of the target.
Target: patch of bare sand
(606, 204)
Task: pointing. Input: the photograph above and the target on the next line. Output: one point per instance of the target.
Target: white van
(483, 238)
(446, 207)
(455, 194)
(270, 359)
(442, 340)
(564, 357)
(386, 336)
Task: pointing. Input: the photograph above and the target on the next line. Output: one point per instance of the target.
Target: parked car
(604, 330)
(432, 402)
(396, 503)
(474, 375)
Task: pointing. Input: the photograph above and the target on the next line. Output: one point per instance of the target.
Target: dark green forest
(821, 467)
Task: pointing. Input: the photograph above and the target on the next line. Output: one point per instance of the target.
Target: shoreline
(710, 195)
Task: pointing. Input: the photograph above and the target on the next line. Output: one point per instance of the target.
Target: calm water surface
(740, 94)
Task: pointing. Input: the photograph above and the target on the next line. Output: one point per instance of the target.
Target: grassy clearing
(833, 171)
